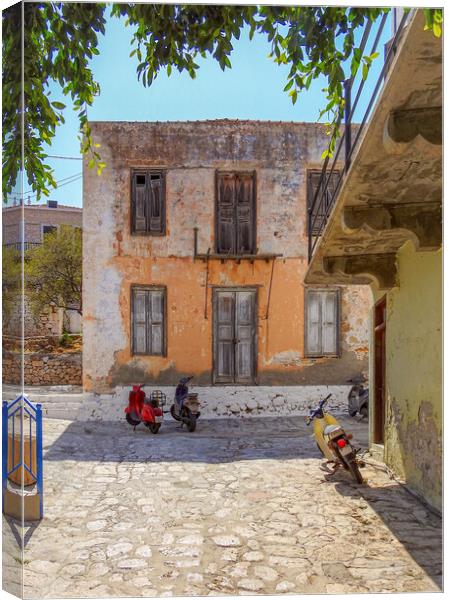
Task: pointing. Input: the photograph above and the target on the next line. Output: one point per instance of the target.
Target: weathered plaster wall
(413, 432)
(114, 259)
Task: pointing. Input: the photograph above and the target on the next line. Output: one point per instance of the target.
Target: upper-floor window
(324, 200)
(148, 202)
(322, 316)
(236, 213)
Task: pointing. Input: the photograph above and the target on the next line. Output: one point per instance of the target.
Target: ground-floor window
(148, 320)
(322, 315)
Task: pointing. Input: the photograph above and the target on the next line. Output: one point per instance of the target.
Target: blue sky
(252, 89)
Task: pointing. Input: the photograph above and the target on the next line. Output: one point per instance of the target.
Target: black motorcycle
(185, 406)
(358, 397)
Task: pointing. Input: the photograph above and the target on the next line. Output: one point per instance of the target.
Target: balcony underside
(393, 190)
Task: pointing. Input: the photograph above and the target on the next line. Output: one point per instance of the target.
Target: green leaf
(364, 71)
(58, 105)
(437, 30)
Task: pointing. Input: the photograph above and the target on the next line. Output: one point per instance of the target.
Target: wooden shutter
(329, 315)
(224, 337)
(321, 204)
(156, 203)
(148, 321)
(139, 202)
(235, 213)
(139, 321)
(244, 196)
(313, 323)
(148, 202)
(244, 333)
(156, 322)
(226, 214)
(322, 322)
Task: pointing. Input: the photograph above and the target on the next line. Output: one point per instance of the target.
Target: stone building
(195, 252)
(385, 230)
(39, 219)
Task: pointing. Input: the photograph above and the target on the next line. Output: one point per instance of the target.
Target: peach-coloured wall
(190, 153)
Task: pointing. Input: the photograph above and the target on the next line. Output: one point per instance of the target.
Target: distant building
(39, 220)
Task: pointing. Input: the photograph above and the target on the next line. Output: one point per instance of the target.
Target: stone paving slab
(238, 507)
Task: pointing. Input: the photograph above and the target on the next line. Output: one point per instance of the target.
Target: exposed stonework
(47, 324)
(42, 368)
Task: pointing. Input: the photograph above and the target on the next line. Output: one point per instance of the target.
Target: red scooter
(142, 409)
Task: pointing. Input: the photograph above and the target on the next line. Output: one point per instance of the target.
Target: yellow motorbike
(332, 441)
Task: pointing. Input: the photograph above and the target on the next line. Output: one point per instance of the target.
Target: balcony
(390, 190)
(19, 246)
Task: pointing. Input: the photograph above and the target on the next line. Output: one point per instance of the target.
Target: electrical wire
(65, 157)
(62, 181)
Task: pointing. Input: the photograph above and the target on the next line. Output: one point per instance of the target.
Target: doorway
(234, 347)
(380, 311)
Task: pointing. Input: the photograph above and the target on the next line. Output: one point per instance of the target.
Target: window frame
(54, 227)
(148, 172)
(337, 353)
(309, 196)
(149, 288)
(253, 225)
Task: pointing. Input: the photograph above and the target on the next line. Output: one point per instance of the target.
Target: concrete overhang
(393, 189)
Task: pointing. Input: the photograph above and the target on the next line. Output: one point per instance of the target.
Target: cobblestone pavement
(238, 507)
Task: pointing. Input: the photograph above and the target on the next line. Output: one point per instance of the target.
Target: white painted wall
(215, 402)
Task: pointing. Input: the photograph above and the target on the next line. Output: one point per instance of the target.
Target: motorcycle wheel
(353, 467)
(153, 427)
(173, 414)
(131, 421)
(364, 412)
(189, 419)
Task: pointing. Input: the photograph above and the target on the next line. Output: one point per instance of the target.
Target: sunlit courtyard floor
(238, 507)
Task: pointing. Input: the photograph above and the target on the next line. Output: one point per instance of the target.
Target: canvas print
(222, 299)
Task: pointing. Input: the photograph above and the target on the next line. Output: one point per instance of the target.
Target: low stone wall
(229, 401)
(43, 368)
(46, 324)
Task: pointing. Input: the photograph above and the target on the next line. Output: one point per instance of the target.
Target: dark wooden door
(379, 370)
(234, 336)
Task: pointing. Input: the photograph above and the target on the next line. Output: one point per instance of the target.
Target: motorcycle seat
(332, 430)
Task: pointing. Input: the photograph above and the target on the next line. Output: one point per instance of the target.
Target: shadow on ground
(417, 528)
(214, 441)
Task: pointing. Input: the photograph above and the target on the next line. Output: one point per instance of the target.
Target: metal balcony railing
(22, 246)
(333, 176)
